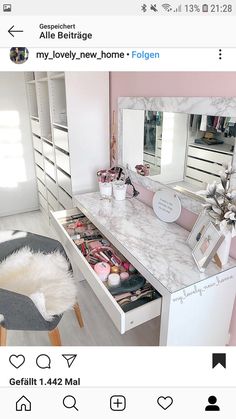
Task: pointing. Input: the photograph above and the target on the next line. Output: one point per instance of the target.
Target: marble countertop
(160, 247)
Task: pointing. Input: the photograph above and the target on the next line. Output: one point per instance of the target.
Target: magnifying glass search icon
(70, 402)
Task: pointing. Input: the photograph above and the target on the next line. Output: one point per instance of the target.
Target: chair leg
(78, 315)
(3, 336)
(54, 336)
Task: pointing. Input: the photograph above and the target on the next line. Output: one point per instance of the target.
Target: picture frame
(198, 229)
(207, 246)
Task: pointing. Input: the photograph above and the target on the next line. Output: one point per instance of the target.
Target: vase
(223, 251)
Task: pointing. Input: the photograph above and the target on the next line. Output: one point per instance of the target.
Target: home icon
(23, 404)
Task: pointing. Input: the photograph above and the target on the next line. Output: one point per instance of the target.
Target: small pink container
(102, 269)
(124, 276)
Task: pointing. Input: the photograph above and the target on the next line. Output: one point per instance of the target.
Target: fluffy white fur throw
(44, 278)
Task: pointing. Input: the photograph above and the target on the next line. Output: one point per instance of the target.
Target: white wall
(18, 192)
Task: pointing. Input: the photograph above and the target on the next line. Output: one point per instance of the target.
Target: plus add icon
(117, 403)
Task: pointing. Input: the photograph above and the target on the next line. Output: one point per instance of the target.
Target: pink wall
(174, 84)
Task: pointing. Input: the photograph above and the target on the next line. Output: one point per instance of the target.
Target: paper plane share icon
(69, 359)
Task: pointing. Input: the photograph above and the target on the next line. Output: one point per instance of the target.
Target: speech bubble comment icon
(43, 361)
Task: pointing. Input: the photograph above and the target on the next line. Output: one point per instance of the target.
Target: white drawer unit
(35, 127)
(64, 181)
(206, 166)
(42, 189)
(63, 161)
(43, 202)
(37, 142)
(203, 165)
(40, 173)
(48, 151)
(49, 168)
(52, 201)
(38, 158)
(200, 176)
(209, 155)
(61, 139)
(64, 198)
(124, 321)
(51, 185)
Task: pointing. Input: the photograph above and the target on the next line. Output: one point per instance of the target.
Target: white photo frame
(207, 246)
(198, 229)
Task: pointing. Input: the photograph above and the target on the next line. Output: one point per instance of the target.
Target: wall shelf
(51, 96)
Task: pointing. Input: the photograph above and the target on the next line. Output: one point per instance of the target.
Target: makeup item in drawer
(94, 244)
(113, 280)
(102, 269)
(138, 298)
(132, 284)
(70, 231)
(124, 276)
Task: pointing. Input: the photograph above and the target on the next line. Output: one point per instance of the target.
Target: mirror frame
(216, 106)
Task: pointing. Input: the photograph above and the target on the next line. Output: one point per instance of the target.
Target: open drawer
(124, 321)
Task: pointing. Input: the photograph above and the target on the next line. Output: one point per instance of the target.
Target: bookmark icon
(69, 359)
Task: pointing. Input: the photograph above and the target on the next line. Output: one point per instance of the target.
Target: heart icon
(165, 402)
(17, 360)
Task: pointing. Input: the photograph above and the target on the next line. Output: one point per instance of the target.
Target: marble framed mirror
(179, 142)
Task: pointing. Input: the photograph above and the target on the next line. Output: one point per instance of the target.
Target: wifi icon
(167, 7)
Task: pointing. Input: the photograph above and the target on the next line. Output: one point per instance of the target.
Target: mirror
(177, 149)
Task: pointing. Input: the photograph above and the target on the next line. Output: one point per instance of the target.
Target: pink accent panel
(187, 219)
(175, 84)
(171, 84)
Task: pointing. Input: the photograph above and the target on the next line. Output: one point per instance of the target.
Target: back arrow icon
(11, 30)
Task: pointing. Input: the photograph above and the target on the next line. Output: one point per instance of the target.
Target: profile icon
(19, 55)
(212, 407)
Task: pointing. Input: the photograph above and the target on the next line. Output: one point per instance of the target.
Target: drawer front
(213, 168)
(42, 189)
(201, 176)
(64, 198)
(48, 151)
(51, 185)
(209, 155)
(63, 161)
(64, 181)
(123, 321)
(35, 127)
(43, 202)
(52, 201)
(37, 142)
(149, 158)
(38, 159)
(40, 173)
(50, 169)
(61, 139)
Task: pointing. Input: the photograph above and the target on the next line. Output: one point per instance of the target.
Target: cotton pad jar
(114, 280)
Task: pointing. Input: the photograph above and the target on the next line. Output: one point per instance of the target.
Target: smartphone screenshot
(117, 209)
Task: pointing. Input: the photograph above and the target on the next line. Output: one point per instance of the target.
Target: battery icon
(205, 7)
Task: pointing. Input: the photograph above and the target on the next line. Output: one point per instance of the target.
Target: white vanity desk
(195, 307)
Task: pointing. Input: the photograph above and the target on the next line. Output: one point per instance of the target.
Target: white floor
(98, 329)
